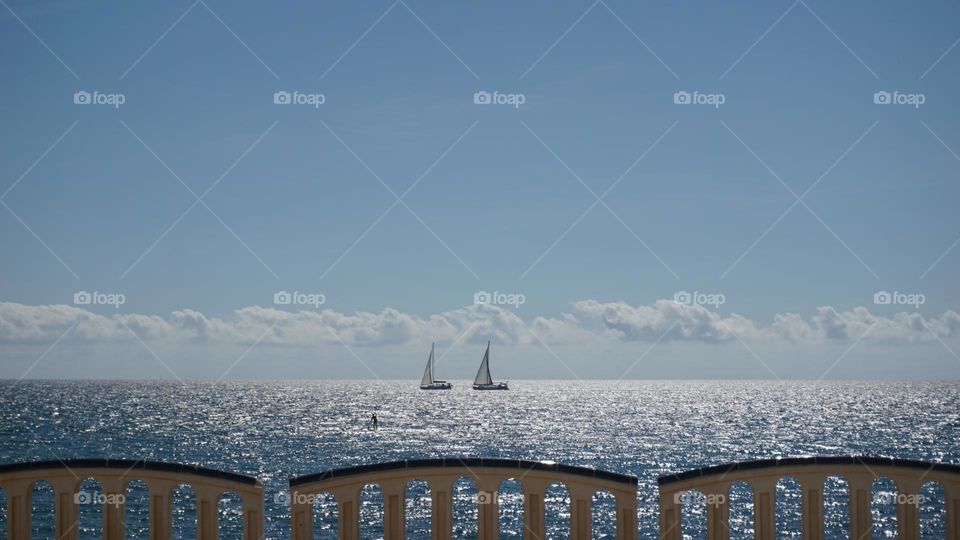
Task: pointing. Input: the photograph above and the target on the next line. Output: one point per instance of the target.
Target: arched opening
(418, 503)
(604, 514)
(510, 501)
(556, 510)
(137, 518)
(883, 507)
(230, 515)
(933, 511)
(740, 501)
(789, 508)
(371, 512)
(836, 508)
(184, 524)
(326, 523)
(42, 513)
(693, 514)
(465, 510)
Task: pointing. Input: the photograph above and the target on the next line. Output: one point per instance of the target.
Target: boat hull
(437, 385)
(496, 386)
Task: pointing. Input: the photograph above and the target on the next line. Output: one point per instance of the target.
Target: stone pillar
(253, 512)
(670, 513)
(861, 493)
(19, 509)
(441, 511)
(951, 492)
(534, 492)
(488, 508)
(626, 514)
(908, 509)
(208, 513)
(718, 512)
(765, 508)
(394, 509)
(301, 516)
(812, 503)
(161, 509)
(348, 510)
(114, 509)
(67, 517)
(581, 512)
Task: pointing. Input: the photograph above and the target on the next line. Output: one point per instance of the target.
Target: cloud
(591, 320)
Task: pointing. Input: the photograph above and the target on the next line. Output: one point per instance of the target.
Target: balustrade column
(441, 508)
(861, 493)
(626, 514)
(301, 516)
(348, 512)
(534, 492)
(253, 513)
(670, 513)
(67, 513)
(718, 513)
(19, 509)
(951, 492)
(908, 509)
(812, 503)
(208, 510)
(114, 509)
(488, 509)
(765, 508)
(161, 509)
(394, 509)
(581, 512)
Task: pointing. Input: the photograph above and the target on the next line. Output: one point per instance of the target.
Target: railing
(346, 484)
(762, 476)
(18, 480)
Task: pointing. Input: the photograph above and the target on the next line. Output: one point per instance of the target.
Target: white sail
(483, 374)
(428, 372)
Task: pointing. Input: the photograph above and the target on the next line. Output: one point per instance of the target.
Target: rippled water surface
(276, 430)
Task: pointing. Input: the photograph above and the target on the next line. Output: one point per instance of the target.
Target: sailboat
(428, 382)
(483, 381)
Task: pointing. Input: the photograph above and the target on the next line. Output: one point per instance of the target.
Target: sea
(280, 429)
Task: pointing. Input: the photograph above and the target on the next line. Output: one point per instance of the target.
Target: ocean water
(275, 430)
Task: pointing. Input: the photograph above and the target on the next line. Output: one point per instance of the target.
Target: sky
(640, 189)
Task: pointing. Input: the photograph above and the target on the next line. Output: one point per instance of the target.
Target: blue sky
(502, 184)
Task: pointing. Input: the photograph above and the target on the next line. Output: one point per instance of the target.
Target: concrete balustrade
(859, 472)
(441, 474)
(18, 480)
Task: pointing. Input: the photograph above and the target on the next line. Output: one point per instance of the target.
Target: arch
(556, 510)
(418, 504)
(883, 508)
(42, 512)
(933, 510)
(465, 510)
(230, 515)
(693, 513)
(789, 508)
(326, 522)
(371, 512)
(836, 508)
(184, 523)
(740, 501)
(510, 501)
(137, 518)
(603, 511)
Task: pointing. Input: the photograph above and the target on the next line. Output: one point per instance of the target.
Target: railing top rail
(127, 464)
(467, 463)
(727, 468)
